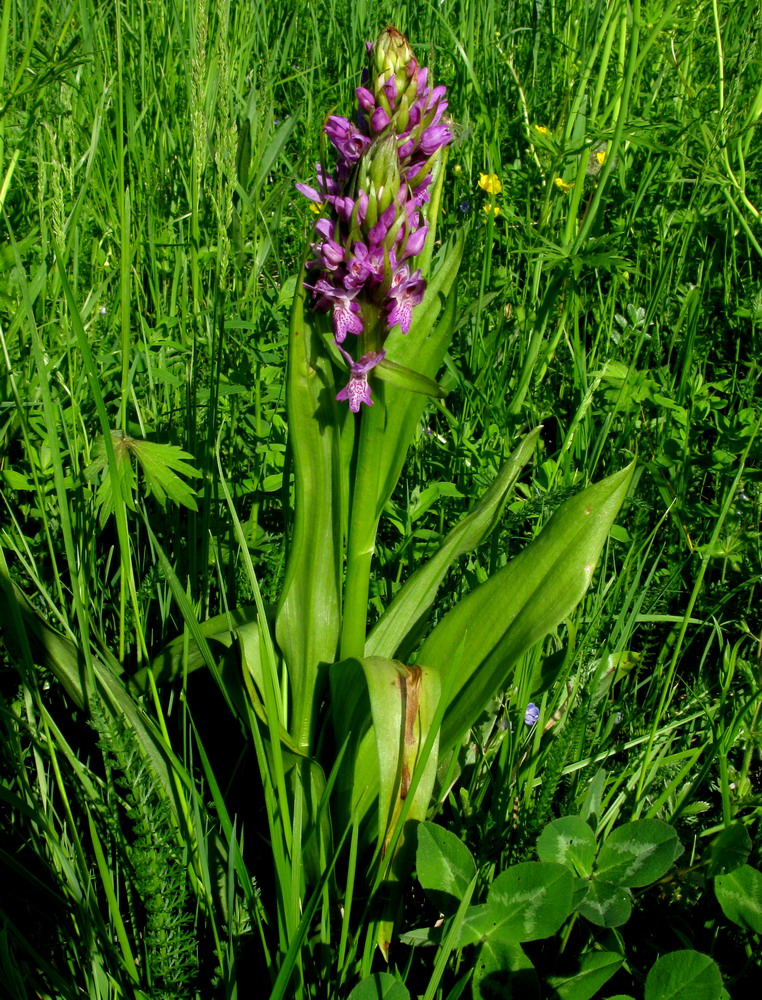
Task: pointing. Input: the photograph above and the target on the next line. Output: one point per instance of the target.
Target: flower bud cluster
(373, 227)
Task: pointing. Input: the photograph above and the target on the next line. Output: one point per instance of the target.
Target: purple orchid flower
(357, 389)
(406, 291)
(366, 265)
(372, 228)
(433, 138)
(345, 309)
(349, 141)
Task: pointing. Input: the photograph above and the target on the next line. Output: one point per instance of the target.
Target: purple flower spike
(406, 291)
(371, 230)
(357, 389)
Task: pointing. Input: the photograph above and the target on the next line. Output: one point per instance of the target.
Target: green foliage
(739, 893)
(682, 975)
(153, 243)
(159, 463)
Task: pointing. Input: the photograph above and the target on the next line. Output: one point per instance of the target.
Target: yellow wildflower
(542, 129)
(600, 155)
(561, 184)
(317, 209)
(492, 209)
(490, 183)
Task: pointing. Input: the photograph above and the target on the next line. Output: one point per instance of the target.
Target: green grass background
(151, 235)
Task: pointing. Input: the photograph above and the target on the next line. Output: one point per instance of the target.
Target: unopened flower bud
(380, 176)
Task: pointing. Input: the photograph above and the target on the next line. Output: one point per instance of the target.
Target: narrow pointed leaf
(408, 379)
(422, 349)
(521, 603)
(399, 626)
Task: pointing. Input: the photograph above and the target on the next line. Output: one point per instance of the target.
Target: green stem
(363, 521)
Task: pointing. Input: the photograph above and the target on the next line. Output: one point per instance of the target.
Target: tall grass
(150, 241)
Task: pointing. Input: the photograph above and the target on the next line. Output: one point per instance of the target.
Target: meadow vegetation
(604, 181)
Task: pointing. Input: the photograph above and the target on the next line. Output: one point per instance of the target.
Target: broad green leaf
(638, 853)
(403, 701)
(684, 975)
(521, 603)
(308, 617)
(399, 626)
(526, 902)
(606, 904)
(503, 970)
(740, 895)
(380, 986)
(444, 864)
(568, 841)
(382, 713)
(595, 969)
(729, 850)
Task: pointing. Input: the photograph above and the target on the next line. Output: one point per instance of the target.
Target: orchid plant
(357, 731)
(372, 321)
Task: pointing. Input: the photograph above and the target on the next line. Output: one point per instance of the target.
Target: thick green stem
(363, 522)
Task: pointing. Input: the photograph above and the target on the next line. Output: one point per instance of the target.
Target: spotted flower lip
(345, 310)
(373, 224)
(406, 291)
(357, 389)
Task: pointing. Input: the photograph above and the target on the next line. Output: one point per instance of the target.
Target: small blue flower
(465, 207)
(532, 714)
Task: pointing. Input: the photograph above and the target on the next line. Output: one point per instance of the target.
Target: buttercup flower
(371, 227)
(490, 183)
(561, 184)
